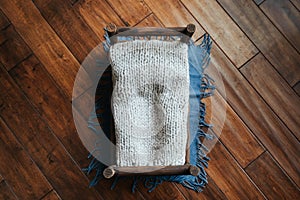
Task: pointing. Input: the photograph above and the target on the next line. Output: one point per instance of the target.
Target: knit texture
(150, 102)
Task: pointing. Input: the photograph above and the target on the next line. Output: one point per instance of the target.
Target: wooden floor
(256, 51)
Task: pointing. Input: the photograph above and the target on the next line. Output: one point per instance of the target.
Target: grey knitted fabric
(150, 102)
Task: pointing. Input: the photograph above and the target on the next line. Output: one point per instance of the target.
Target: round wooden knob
(191, 28)
(194, 170)
(111, 28)
(108, 172)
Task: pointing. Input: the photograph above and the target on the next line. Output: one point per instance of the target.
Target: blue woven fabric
(200, 87)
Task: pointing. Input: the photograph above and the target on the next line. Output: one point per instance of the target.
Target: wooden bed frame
(187, 168)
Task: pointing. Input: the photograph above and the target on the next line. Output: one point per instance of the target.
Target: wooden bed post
(190, 30)
(112, 29)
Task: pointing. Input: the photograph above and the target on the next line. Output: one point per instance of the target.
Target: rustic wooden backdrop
(256, 51)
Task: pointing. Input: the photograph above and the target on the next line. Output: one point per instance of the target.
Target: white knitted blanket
(150, 102)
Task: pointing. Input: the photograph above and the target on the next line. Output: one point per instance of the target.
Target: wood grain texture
(12, 48)
(5, 192)
(165, 189)
(272, 181)
(18, 169)
(297, 88)
(266, 37)
(256, 114)
(234, 134)
(150, 21)
(97, 14)
(56, 110)
(229, 175)
(53, 106)
(223, 30)
(44, 148)
(52, 196)
(284, 101)
(173, 13)
(131, 11)
(4, 22)
(44, 42)
(35, 104)
(69, 26)
(211, 191)
(121, 191)
(296, 3)
(286, 17)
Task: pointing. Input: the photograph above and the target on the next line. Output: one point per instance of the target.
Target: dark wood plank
(44, 42)
(286, 17)
(296, 3)
(229, 176)
(97, 15)
(18, 169)
(130, 12)
(52, 196)
(5, 192)
(266, 37)
(271, 180)
(258, 2)
(297, 88)
(178, 17)
(165, 190)
(232, 131)
(3, 21)
(54, 108)
(121, 191)
(211, 191)
(256, 114)
(44, 147)
(283, 100)
(150, 21)
(37, 85)
(57, 112)
(223, 30)
(69, 25)
(13, 49)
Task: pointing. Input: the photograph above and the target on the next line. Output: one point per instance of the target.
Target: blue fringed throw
(200, 87)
